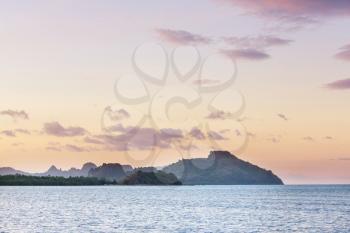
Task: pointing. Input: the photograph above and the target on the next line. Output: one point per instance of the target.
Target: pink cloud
(8, 133)
(295, 7)
(92, 141)
(344, 54)
(56, 129)
(293, 14)
(197, 133)
(215, 136)
(220, 115)
(23, 131)
(117, 115)
(259, 42)
(343, 84)
(15, 115)
(124, 138)
(68, 147)
(182, 37)
(74, 148)
(246, 54)
(53, 148)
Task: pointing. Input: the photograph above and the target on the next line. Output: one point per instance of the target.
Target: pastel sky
(267, 80)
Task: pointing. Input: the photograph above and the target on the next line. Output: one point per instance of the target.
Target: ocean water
(175, 209)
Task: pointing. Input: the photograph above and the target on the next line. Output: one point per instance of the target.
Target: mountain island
(219, 168)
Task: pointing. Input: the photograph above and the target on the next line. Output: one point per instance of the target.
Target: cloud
(215, 136)
(169, 134)
(344, 158)
(136, 138)
(56, 129)
(92, 141)
(246, 54)
(344, 53)
(328, 138)
(282, 116)
(53, 148)
(117, 115)
(68, 147)
(8, 133)
(197, 133)
(223, 131)
(23, 131)
(238, 133)
(293, 14)
(250, 134)
(219, 115)
(125, 138)
(74, 148)
(117, 128)
(342, 84)
(13, 133)
(319, 8)
(308, 138)
(182, 37)
(15, 115)
(258, 42)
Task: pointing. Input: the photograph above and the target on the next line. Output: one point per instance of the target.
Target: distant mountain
(73, 172)
(220, 168)
(127, 169)
(10, 171)
(151, 178)
(86, 168)
(146, 169)
(108, 171)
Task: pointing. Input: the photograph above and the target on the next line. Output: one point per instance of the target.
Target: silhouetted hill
(220, 168)
(109, 171)
(86, 168)
(10, 171)
(73, 172)
(151, 178)
(146, 169)
(128, 169)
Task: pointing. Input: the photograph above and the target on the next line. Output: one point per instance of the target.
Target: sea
(288, 208)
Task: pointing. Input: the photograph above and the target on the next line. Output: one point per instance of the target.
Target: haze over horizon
(77, 84)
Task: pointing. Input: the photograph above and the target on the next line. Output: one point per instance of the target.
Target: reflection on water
(175, 209)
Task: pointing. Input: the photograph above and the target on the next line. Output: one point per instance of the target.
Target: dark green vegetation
(21, 180)
(151, 178)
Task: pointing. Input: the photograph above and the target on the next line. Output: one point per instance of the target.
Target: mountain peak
(220, 154)
(53, 168)
(87, 166)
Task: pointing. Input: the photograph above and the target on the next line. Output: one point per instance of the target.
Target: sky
(149, 83)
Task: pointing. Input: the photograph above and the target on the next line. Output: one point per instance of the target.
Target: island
(218, 168)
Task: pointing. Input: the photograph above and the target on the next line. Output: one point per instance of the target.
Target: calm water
(175, 209)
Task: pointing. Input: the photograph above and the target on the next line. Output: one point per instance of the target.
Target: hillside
(221, 168)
